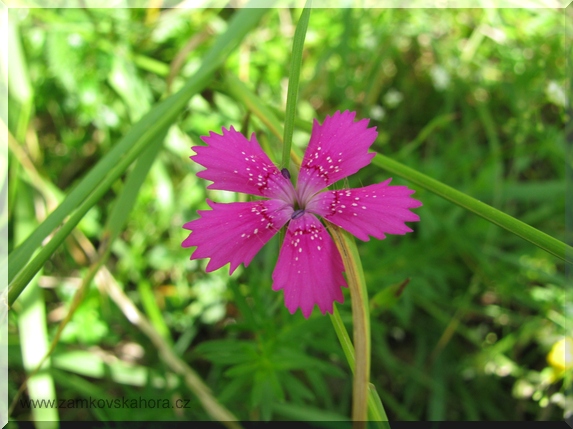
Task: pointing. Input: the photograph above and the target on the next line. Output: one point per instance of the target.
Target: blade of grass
(511, 224)
(24, 276)
(433, 125)
(33, 335)
(139, 136)
(343, 337)
(294, 77)
(114, 225)
(19, 83)
(87, 364)
(153, 311)
(126, 200)
(33, 332)
(82, 387)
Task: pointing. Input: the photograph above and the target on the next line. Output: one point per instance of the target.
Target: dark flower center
(297, 213)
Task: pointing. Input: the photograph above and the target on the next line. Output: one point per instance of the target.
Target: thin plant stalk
(493, 215)
(294, 76)
(360, 320)
(376, 411)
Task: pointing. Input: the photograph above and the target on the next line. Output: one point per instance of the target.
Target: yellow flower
(561, 355)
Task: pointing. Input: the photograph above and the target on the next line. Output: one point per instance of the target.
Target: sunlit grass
(474, 99)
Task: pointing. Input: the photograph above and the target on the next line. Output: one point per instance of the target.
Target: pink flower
(309, 268)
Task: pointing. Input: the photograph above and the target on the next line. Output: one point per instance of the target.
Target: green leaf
(308, 413)
(226, 352)
(296, 389)
(387, 297)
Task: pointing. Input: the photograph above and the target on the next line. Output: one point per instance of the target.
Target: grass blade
(23, 278)
(100, 178)
(294, 77)
(32, 328)
(511, 224)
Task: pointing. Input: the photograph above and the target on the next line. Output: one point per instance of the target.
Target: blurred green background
(473, 98)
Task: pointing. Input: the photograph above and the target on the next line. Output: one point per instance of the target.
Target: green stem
(515, 226)
(376, 410)
(343, 337)
(294, 76)
(359, 358)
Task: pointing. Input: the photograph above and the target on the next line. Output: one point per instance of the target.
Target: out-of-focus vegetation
(473, 98)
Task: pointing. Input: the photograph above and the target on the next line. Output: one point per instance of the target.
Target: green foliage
(472, 98)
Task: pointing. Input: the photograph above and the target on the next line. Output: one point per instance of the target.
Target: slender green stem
(294, 76)
(376, 410)
(511, 224)
(343, 337)
(360, 320)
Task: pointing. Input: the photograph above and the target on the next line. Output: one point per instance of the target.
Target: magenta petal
(234, 163)
(375, 210)
(309, 268)
(337, 149)
(235, 232)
